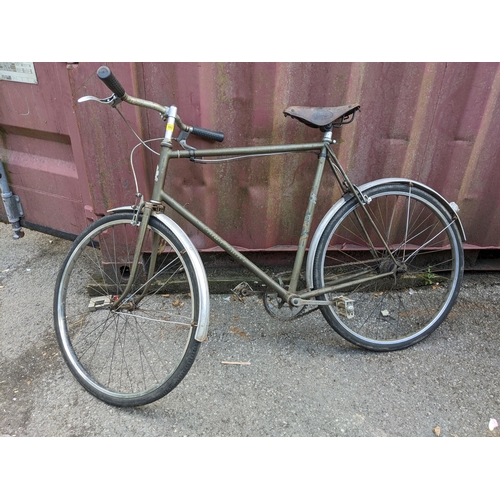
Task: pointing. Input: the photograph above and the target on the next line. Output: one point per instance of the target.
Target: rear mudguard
(452, 209)
(204, 305)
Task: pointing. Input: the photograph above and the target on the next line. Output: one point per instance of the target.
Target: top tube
(281, 148)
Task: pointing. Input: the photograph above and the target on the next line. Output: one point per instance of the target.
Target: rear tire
(140, 351)
(403, 308)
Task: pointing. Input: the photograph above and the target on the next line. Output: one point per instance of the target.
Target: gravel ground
(302, 380)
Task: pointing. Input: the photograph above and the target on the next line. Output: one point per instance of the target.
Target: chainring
(276, 307)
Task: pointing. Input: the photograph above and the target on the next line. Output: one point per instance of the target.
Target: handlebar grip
(104, 73)
(208, 134)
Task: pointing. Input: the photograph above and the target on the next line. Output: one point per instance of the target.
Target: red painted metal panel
(39, 146)
(433, 122)
(259, 203)
(437, 123)
(106, 140)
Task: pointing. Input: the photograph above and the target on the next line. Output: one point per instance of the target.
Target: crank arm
(306, 302)
(344, 305)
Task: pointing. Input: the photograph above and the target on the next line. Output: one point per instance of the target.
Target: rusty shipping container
(437, 123)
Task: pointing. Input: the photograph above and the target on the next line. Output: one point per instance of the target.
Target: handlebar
(105, 74)
(205, 133)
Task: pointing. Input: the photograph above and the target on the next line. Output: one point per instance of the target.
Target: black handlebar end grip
(104, 73)
(208, 134)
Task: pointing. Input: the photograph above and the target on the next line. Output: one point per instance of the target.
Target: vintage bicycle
(131, 302)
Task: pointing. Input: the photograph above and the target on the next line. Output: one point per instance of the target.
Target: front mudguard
(204, 303)
(451, 207)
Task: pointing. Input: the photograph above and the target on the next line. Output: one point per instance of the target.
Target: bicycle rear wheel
(426, 267)
(137, 352)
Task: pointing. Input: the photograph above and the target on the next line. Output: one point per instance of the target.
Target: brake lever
(112, 99)
(183, 135)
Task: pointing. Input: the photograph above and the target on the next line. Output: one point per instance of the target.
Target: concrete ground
(302, 379)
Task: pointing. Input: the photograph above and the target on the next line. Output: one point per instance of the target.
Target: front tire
(138, 352)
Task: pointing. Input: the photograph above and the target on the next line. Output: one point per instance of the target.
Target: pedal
(242, 290)
(99, 302)
(345, 306)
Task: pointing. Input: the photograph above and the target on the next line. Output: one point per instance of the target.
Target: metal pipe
(306, 227)
(12, 205)
(282, 148)
(238, 256)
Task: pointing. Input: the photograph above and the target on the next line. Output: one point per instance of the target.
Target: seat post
(327, 137)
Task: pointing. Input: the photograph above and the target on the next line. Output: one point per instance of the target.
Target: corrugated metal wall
(437, 123)
(40, 149)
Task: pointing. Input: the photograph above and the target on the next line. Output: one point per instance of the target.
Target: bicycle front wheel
(389, 296)
(137, 352)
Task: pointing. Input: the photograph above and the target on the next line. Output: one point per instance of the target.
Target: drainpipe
(12, 204)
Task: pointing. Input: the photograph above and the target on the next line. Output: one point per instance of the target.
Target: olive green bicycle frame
(238, 256)
(289, 294)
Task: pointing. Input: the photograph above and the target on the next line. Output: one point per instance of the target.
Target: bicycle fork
(146, 209)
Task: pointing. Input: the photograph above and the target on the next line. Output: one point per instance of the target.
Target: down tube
(239, 257)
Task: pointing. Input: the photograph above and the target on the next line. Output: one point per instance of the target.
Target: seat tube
(306, 226)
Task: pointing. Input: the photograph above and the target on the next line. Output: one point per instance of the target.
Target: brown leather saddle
(323, 118)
